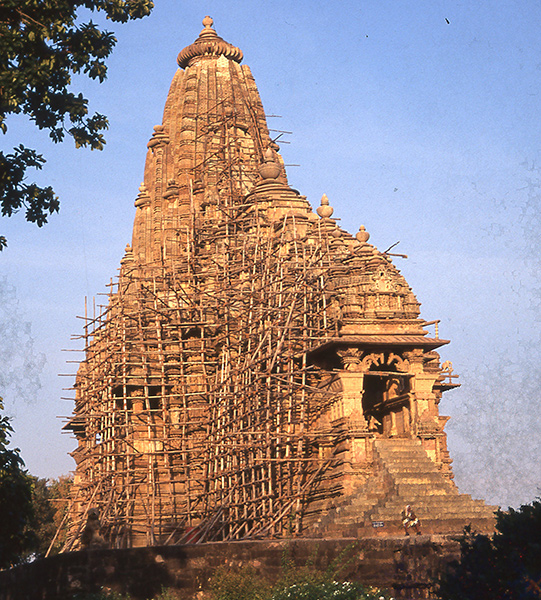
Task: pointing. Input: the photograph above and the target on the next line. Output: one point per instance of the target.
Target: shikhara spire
(256, 365)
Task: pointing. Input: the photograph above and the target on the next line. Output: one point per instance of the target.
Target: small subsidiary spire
(362, 235)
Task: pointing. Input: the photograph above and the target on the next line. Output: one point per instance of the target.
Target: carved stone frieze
(382, 359)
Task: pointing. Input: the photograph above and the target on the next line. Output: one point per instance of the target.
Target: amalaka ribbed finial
(208, 44)
(143, 197)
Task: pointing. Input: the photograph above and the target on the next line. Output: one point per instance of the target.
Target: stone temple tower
(258, 371)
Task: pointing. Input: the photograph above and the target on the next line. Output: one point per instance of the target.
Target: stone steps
(432, 479)
(448, 513)
(417, 481)
(437, 500)
(407, 469)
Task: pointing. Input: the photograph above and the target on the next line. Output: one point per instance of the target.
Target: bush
(16, 508)
(335, 590)
(506, 566)
(107, 594)
(238, 584)
(296, 582)
(103, 595)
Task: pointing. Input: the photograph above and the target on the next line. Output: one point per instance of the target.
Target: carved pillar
(351, 408)
(426, 418)
(142, 226)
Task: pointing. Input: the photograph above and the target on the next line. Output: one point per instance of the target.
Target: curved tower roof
(211, 143)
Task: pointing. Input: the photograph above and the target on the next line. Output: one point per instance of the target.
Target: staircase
(407, 476)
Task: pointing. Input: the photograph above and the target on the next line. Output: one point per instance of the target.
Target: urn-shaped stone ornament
(362, 235)
(325, 210)
(270, 169)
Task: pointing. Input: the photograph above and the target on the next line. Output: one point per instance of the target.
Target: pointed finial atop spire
(209, 43)
(325, 210)
(208, 22)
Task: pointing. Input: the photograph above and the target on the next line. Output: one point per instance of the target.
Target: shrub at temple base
(506, 566)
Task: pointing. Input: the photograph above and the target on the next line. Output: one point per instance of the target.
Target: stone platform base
(404, 566)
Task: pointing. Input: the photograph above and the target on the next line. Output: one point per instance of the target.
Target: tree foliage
(46, 526)
(32, 510)
(506, 566)
(59, 492)
(43, 43)
(15, 499)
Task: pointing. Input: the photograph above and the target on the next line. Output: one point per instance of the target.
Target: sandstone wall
(404, 565)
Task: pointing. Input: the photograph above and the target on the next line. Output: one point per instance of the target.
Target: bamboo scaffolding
(195, 403)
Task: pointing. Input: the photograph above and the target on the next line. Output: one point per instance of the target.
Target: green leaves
(121, 10)
(41, 47)
(15, 498)
(299, 583)
(49, 506)
(39, 202)
(31, 509)
(88, 134)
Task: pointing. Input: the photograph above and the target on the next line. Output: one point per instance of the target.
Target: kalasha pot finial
(325, 211)
(270, 169)
(208, 22)
(362, 235)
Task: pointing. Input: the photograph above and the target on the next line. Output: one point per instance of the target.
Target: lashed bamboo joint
(255, 362)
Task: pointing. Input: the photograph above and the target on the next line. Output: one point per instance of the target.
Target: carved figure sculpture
(91, 538)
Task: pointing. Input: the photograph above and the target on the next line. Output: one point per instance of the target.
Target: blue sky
(418, 119)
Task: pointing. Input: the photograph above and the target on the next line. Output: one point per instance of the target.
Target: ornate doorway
(387, 396)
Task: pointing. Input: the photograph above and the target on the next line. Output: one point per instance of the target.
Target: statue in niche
(383, 282)
(374, 425)
(394, 387)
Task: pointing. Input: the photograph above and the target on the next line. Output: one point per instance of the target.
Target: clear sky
(418, 118)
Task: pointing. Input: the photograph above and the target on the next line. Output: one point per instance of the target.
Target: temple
(258, 371)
